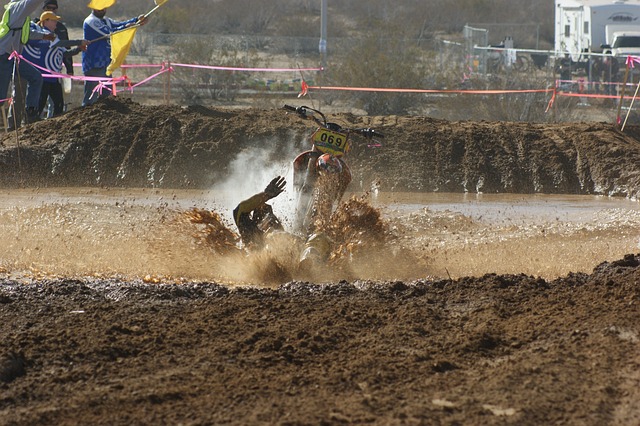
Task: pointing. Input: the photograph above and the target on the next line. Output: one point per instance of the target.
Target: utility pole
(323, 33)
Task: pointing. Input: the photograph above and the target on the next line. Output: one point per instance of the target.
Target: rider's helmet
(327, 163)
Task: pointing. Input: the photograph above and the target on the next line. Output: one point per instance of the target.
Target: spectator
(50, 55)
(611, 69)
(15, 32)
(63, 34)
(564, 68)
(97, 57)
(596, 73)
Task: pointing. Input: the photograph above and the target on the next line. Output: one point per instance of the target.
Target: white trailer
(582, 25)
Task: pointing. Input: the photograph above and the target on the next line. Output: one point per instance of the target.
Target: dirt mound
(509, 349)
(120, 143)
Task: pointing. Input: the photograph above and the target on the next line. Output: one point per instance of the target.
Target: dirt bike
(321, 175)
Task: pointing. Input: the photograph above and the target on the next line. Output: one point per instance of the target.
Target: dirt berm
(486, 350)
(121, 143)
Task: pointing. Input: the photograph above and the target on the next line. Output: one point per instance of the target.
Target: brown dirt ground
(493, 349)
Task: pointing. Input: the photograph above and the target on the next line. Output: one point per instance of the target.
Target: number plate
(329, 142)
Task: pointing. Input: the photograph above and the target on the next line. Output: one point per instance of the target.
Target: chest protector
(4, 26)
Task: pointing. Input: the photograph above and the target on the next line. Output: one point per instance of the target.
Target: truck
(622, 40)
(596, 26)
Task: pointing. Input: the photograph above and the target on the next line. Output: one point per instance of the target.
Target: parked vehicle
(622, 40)
(596, 26)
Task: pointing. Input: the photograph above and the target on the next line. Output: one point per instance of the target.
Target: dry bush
(198, 85)
(379, 63)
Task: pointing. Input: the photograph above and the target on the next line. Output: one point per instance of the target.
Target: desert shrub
(524, 107)
(142, 44)
(198, 85)
(379, 63)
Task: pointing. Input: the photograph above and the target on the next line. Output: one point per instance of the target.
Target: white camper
(582, 26)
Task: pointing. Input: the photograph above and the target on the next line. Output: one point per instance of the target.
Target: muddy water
(541, 235)
(142, 234)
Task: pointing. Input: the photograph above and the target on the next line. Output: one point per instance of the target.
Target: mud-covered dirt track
(486, 350)
(475, 351)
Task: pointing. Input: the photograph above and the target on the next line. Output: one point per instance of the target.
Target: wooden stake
(4, 118)
(624, 85)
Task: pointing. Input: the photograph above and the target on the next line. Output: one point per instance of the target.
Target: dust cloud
(251, 171)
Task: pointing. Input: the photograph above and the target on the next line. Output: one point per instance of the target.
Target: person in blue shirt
(63, 34)
(50, 55)
(97, 57)
(15, 32)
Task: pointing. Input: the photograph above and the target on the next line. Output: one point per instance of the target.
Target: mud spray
(154, 236)
(179, 236)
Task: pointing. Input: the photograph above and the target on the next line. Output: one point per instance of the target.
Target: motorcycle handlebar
(307, 112)
(301, 110)
(304, 112)
(370, 133)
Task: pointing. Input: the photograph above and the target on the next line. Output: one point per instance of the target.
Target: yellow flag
(160, 2)
(120, 45)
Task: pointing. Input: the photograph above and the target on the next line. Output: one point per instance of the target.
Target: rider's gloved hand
(275, 187)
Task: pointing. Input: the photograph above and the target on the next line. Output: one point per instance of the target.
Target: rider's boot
(316, 251)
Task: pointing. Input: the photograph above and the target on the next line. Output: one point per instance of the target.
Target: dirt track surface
(491, 349)
(487, 350)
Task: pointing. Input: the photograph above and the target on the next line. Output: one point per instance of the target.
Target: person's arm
(275, 188)
(71, 43)
(69, 53)
(20, 10)
(37, 33)
(249, 205)
(117, 26)
(66, 58)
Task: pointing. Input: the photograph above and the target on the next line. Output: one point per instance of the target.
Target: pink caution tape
(380, 89)
(209, 67)
(631, 60)
(151, 77)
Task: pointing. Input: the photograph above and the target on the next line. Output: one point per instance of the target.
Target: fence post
(624, 86)
(4, 118)
(167, 85)
(554, 107)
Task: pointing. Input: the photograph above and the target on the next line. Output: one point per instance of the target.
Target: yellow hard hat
(100, 4)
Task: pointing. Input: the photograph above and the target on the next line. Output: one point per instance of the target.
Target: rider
(256, 221)
(255, 218)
